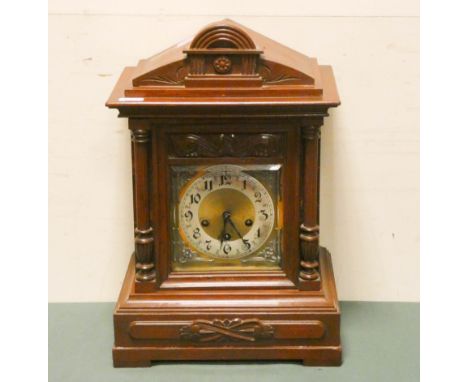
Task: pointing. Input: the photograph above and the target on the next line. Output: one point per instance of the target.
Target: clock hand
(226, 215)
(245, 241)
(222, 236)
(235, 228)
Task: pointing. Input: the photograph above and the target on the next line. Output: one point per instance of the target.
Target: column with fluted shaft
(144, 235)
(309, 274)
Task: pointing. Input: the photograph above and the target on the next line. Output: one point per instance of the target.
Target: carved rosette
(227, 145)
(144, 240)
(222, 65)
(309, 230)
(226, 330)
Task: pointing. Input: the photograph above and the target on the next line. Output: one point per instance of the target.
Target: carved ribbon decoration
(219, 330)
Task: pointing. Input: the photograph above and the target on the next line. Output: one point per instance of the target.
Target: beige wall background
(370, 179)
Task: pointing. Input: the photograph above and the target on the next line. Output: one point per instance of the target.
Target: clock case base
(228, 325)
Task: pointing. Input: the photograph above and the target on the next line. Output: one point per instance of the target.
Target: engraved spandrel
(269, 254)
(186, 255)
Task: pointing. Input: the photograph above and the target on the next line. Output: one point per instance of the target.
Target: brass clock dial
(226, 213)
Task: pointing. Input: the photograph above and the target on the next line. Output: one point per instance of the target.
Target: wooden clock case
(230, 95)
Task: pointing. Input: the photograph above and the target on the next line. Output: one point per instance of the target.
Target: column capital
(141, 135)
(312, 131)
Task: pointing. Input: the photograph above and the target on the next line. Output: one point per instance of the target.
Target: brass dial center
(214, 206)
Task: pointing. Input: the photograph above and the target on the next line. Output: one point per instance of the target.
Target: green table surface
(380, 343)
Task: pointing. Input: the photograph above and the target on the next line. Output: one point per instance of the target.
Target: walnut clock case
(226, 158)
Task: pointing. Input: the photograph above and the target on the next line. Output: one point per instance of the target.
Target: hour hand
(221, 236)
(226, 217)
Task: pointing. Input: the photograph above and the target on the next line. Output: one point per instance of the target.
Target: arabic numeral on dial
(188, 215)
(195, 198)
(258, 197)
(208, 185)
(225, 180)
(258, 232)
(246, 244)
(196, 233)
(227, 248)
(208, 244)
(264, 214)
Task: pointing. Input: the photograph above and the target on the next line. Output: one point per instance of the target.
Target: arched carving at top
(226, 59)
(222, 36)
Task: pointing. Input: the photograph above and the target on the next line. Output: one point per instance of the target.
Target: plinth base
(254, 324)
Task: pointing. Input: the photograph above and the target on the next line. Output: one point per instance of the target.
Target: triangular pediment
(227, 60)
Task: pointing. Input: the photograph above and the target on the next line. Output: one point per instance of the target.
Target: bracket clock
(226, 152)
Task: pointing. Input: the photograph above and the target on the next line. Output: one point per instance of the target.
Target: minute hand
(245, 241)
(235, 228)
